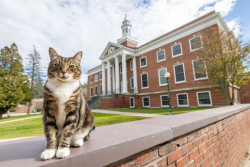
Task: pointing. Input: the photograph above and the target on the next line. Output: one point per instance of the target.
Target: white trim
(148, 101)
(157, 55)
(96, 92)
(161, 101)
(192, 50)
(92, 79)
(159, 78)
(90, 91)
(100, 92)
(133, 101)
(100, 76)
(147, 81)
(178, 99)
(203, 105)
(183, 72)
(173, 56)
(146, 62)
(131, 83)
(197, 79)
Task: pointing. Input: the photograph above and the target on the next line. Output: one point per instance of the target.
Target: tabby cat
(67, 119)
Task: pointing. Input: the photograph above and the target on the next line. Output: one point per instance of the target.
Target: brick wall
(245, 92)
(223, 143)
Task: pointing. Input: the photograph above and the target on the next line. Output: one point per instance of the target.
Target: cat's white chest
(63, 91)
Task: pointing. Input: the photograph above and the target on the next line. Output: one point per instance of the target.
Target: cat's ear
(78, 56)
(53, 54)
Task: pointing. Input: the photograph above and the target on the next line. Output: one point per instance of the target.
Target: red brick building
(133, 76)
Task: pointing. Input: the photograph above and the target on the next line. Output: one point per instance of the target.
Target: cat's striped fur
(67, 118)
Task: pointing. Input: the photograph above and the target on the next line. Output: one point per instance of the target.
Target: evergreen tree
(14, 85)
(33, 69)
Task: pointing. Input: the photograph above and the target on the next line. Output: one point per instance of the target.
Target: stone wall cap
(112, 143)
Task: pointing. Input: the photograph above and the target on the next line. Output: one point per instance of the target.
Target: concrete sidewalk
(21, 119)
(127, 113)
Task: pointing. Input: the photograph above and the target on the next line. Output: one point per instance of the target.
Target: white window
(146, 101)
(195, 43)
(131, 65)
(162, 78)
(96, 91)
(91, 79)
(204, 98)
(91, 91)
(143, 62)
(132, 83)
(120, 69)
(144, 81)
(164, 100)
(161, 55)
(96, 78)
(199, 69)
(179, 72)
(132, 102)
(101, 76)
(182, 100)
(100, 89)
(176, 50)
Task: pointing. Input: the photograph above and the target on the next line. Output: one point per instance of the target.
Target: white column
(113, 78)
(108, 78)
(135, 75)
(124, 74)
(103, 79)
(117, 77)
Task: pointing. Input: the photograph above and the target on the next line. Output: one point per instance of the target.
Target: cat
(67, 119)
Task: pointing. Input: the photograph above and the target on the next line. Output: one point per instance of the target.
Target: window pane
(179, 73)
(200, 69)
(165, 100)
(195, 43)
(204, 98)
(131, 102)
(96, 90)
(132, 83)
(101, 89)
(91, 91)
(161, 55)
(182, 99)
(144, 80)
(100, 76)
(176, 49)
(146, 101)
(163, 79)
(143, 61)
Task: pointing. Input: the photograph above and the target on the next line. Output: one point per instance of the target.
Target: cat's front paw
(48, 154)
(62, 152)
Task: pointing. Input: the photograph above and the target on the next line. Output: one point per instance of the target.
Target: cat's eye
(57, 65)
(71, 66)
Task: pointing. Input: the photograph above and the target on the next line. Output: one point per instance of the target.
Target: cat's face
(64, 68)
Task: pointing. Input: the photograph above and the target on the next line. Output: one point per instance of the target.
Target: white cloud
(71, 26)
(234, 25)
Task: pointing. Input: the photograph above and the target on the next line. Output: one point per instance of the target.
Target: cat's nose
(63, 72)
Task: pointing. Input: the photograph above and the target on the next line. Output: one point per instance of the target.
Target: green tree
(225, 57)
(14, 85)
(33, 69)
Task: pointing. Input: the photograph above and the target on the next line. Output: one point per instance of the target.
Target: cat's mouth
(64, 77)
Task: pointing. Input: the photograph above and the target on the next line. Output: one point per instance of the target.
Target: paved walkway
(126, 113)
(19, 114)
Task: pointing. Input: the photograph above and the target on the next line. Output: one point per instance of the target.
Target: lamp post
(167, 75)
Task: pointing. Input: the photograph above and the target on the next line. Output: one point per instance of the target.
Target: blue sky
(88, 25)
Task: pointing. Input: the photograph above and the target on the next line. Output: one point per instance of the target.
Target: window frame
(146, 62)
(96, 90)
(96, 78)
(161, 100)
(130, 103)
(131, 65)
(100, 88)
(143, 101)
(160, 78)
(91, 78)
(147, 81)
(192, 50)
(204, 105)
(100, 76)
(173, 56)
(91, 92)
(157, 55)
(131, 83)
(178, 99)
(179, 82)
(197, 79)
(121, 69)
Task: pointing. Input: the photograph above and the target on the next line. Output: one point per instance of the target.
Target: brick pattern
(245, 92)
(223, 143)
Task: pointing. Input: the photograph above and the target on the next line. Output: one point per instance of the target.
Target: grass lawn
(34, 126)
(158, 110)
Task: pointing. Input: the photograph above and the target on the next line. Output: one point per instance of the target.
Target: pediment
(109, 49)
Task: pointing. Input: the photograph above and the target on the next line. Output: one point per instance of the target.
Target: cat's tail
(93, 128)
